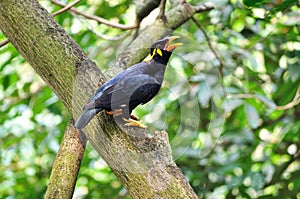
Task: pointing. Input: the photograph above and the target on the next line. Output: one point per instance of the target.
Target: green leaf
(282, 6)
(6, 82)
(294, 72)
(293, 18)
(204, 95)
(254, 3)
(252, 116)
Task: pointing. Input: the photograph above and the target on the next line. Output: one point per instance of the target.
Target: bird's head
(162, 49)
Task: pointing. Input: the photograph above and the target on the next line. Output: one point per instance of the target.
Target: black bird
(131, 87)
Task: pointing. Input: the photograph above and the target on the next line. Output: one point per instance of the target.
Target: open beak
(169, 47)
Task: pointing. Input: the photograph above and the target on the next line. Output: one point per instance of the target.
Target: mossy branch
(141, 161)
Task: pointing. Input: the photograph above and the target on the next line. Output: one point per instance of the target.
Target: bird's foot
(133, 122)
(116, 112)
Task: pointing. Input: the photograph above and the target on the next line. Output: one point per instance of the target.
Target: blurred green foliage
(228, 147)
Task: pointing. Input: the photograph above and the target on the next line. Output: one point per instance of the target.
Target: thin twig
(109, 38)
(67, 7)
(221, 66)
(103, 36)
(3, 43)
(96, 18)
(267, 102)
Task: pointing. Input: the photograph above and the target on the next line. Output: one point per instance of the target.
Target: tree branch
(221, 63)
(65, 8)
(141, 161)
(210, 45)
(96, 18)
(66, 166)
(3, 43)
(162, 8)
(103, 36)
(137, 50)
(267, 102)
(144, 7)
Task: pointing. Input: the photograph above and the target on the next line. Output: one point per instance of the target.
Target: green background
(228, 146)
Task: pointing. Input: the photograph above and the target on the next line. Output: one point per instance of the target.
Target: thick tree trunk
(142, 162)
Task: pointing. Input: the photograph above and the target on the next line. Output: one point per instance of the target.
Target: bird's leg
(116, 112)
(132, 122)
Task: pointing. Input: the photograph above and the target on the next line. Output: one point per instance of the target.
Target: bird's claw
(132, 122)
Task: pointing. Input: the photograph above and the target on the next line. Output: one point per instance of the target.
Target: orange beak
(169, 47)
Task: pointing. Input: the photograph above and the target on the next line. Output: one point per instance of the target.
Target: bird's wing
(126, 87)
(101, 99)
(129, 84)
(120, 88)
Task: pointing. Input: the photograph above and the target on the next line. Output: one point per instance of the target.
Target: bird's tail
(85, 117)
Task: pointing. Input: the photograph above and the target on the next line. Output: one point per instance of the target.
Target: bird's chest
(157, 71)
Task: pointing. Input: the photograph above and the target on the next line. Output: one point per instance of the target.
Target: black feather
(130, 88)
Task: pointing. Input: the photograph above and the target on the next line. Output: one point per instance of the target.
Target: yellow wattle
(150, 57)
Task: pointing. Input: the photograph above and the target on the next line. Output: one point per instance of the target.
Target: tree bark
(143, 162)
(66, 166)
(138, 49)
